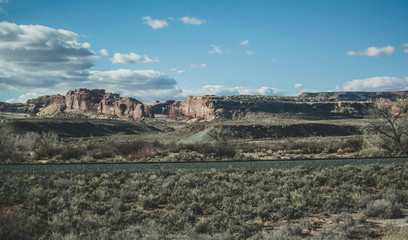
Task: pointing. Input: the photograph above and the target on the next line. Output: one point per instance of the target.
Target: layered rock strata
(83, 102)
(238, 107)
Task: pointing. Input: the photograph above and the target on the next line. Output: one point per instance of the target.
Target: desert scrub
(233, 203)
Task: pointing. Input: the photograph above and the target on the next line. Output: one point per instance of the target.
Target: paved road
(196, 166)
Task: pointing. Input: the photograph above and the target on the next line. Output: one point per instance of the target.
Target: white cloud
(155, 23)
(215, 49)
(86, 45)
(373, 52)
(190, 20)
(202, 66)
(250, 52)
(244, 43)
(377, 84)
(179, 71)
(104, 52)
(226, 91)
(132, 58)
(405, 45)
(299, 85)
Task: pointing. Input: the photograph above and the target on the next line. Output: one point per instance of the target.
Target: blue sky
(158, 50)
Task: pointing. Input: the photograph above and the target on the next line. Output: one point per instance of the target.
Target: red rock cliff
(91, 103)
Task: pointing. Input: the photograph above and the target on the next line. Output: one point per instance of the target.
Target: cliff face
(83, 102)
(48, 106)
(238, 107)
(193, 107)
(113, 104)
(97, 103)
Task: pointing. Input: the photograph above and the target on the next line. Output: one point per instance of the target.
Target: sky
(164, 50)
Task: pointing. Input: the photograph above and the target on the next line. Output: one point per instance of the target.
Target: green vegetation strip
(197, 166)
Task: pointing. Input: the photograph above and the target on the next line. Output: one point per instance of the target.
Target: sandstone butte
(98, 104)
(84, 102)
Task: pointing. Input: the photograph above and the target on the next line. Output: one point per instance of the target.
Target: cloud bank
(377, 84)
(34, 56)
(227, 91)
(373, 52)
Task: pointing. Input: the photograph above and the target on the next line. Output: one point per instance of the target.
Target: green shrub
(13, 225)
(397, 234)
(69, 152)
(134, 149)
(382, 208)
(7, 147)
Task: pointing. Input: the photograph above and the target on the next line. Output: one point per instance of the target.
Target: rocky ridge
(83, 103)
(241, 107)
(98, 104)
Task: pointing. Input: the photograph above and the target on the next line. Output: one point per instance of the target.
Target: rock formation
(238, 107)
(98, 104)
(162, 108)
(83, 102)
(194, 107)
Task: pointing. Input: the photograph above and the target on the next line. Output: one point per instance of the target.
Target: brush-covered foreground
(341, 203)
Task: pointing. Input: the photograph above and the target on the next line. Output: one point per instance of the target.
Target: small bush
(134, 149)
(12, 225)
(71, 152)
(383, 209)
(47, 145)
(397, 234)
(7, 147)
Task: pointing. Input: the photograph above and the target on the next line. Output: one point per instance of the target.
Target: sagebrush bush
(13, 225)
(397, 234)
(134, 149)
(383, 208)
